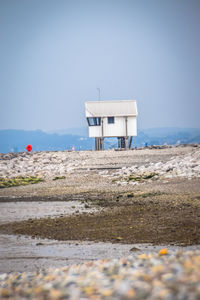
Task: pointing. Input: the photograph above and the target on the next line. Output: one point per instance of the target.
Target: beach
(96, 206)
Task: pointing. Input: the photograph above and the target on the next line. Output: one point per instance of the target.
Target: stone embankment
(153, 276)
(187, 166)
(45, 164)
(51, 164)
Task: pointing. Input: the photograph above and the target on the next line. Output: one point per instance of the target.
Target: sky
(54, 54)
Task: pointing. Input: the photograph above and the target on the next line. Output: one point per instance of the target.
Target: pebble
(51, 164)
(148, 276)
(45, 164)
(187, 166)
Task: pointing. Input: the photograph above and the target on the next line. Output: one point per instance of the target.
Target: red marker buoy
(28, 148)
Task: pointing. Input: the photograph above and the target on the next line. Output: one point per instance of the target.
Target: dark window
(94, 121)
(111, 120)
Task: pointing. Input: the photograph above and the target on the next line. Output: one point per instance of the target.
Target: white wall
(116, 129)
(132, 126)
(94, 131)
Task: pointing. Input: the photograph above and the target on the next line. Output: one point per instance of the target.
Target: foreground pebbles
(154, 276)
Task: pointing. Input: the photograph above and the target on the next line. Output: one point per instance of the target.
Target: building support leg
(126, 142)
(130, 142)
(102, 144)
(118, 142)
(95, 144)
(123, 142)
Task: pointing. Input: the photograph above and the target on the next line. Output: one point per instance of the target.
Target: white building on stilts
(115, 118)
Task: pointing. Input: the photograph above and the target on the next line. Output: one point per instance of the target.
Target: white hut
(112, 119)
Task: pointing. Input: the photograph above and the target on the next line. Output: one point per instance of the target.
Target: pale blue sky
(55, 53)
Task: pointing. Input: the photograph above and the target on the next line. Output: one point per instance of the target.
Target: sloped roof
(113, 108)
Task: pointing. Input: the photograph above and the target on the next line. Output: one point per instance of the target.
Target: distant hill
(169, 131)
(169, 136)
(80, 131)
(16, 140)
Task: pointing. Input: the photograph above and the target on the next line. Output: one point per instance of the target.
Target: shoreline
(36, 254)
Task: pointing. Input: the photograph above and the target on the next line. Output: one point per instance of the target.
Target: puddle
(17, 211)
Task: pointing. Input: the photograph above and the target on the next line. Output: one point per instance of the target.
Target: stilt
(130, 142)
(95, 144)
(102, 144)
(99, 144)
(118, 143)
(126, 142)
(123, 142)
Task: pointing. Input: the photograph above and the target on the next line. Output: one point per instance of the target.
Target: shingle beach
(121, 197)
(149, 276)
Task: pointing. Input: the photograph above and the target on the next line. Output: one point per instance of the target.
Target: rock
(134, 249)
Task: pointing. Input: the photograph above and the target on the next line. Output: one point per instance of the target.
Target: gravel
(185, 166)
(162, 275)
(60, 163)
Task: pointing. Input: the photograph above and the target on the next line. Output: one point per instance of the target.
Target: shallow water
(17, 211)
(19, 254)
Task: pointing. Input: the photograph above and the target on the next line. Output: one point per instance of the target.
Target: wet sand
(18, 211)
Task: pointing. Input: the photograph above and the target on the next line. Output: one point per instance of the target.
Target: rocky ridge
(107, 163)
(45, 164)
(187, 165)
